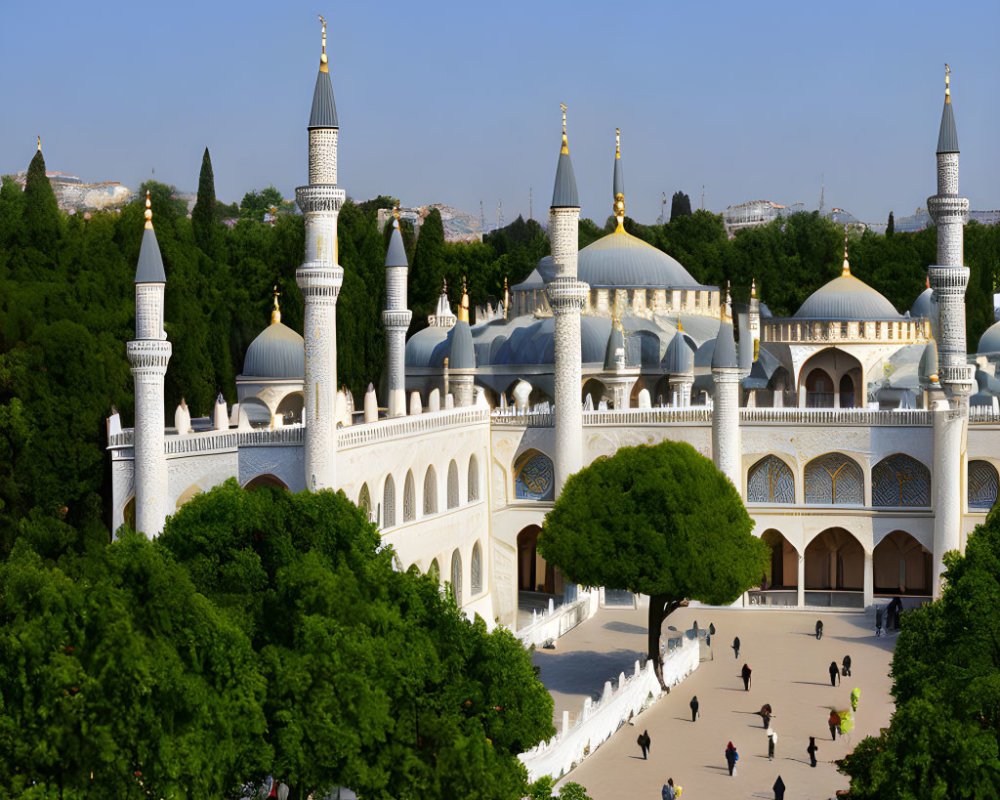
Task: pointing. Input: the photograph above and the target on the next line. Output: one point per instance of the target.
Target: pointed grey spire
(396, 254)
(324, 108)
(150, 266)
(948, 135)
(724, 355)
(564, 194)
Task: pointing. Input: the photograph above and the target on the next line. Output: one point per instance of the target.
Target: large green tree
(944, 738)
(657, 520)
(204, 212)
(374, 679)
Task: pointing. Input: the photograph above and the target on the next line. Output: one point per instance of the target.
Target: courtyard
(790, 672)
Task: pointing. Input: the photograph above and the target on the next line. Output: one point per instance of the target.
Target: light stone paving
(790, 671)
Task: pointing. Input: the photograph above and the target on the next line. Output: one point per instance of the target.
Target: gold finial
(463, 308)
(395, 216)
(947, 83)
(276, 313)
(444, 286)
(845, 271)
(726, 311)
(149, 212)
(506, 297)
(753, 287)
(565, 141)
(618, 142)
(680, 327)
(323, 66)
(39, 144)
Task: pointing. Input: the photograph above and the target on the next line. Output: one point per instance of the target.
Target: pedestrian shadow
(638, 758)
(714, 766)
(685, 719)
(814, 683)
(624, 627)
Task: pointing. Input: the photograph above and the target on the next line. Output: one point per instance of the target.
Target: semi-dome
(989, 342)
(846, 298)
(621, 259)
(278, 352)
(925, 305)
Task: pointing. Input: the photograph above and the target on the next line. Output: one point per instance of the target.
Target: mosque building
(865, 442)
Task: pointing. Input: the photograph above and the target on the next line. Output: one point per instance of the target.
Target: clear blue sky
(459, 102)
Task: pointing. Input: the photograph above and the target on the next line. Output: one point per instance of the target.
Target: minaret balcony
(395, 318)
(566, 295)
(947, 208)
(320, 197)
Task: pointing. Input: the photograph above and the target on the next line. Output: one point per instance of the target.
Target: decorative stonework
(323, 155)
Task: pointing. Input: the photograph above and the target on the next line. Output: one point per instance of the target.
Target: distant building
(458, 226)
(72, 194)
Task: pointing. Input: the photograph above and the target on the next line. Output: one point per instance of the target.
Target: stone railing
(836, 416)
(213, 441)
(400, 427)
(600, 720)
(983, 414)
(530, 419)
(554, 622)
(649, 416)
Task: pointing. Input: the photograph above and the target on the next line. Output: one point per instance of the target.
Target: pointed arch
(835, 559)
(901, 565)
(365, 501)
(900, 480)
(770, 481)
(476, 569)
(430, 491)
(983, 483)
(473, 479)
(389, 503)
(452, 484)
(534, 477)
(265, 481)
(188, 493)
(834, 479)
(456, 576)
(434, 572)
(409, 498)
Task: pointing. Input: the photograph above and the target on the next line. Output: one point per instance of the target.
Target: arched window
(456, 577)
(473, 479)
(434, 572)
(982, 485)
(430, 491)
(476, 578)
(365, 501)
(389, 503)
(834, 479)
(409, 499)
(534, 477)
(453, 484)
(900, 481)
(770, 481)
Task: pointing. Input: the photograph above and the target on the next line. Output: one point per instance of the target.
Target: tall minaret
(148, 354)
(948, 278)
(320, 278)
(396, 319)
(566, 297)
(726, 375)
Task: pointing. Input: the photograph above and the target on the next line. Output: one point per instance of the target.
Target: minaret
(462, 355)
(396, 319)
(320, 278)
(726, 375)
(566, 297)
(948, 278)
(754, 318)
(148, 354)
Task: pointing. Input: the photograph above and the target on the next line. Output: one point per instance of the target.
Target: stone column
(726, 425)
(148, 359)
(801, 587)
(869, 585)
(949, 437)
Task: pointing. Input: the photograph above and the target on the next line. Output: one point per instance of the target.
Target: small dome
(989, 342)
(846, 298)
(927, 370)
(621, 259)
(462, 354)
(724, 355)
(278, 352)
(679, 357)
(925, 305)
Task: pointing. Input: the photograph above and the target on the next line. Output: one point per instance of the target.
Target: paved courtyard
(790, 671)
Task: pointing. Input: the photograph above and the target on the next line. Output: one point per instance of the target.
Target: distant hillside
(458, 226)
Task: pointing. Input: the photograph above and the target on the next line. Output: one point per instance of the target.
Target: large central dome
(621, 260)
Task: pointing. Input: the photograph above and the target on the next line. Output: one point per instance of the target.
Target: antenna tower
(662, 219)
(499, 214)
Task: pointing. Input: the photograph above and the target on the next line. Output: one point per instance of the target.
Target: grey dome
(621, 259)
(927, 370)
(679, 357)
(462, 355)
(925, 305)
(846, 298)
(616, 339)
(989, 342)
(278, 352)
(724, 356)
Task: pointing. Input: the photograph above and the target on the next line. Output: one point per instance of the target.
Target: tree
(890, 227)
(203, 213)
(428, 269)
(658, 520)
(42, 219)
(944, 738)
(256, 204)
(680, 205)
(374, 679)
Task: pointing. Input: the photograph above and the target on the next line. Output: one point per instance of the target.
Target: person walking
(834, 724)
(644, 741)
(731, 758)
(746, 677)
(819, 629)
(855, 697)
(772, 742)
(811, 750)
(694, 708)
(834, 673)
(765, 714)
(878, 621)
(669, 791)
(736, 647)
(847, 667)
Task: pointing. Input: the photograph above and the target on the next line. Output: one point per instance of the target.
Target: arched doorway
(265, 481)
(290, 408)
(834, 569)
(832, 378)
(781, 588)
(901, 565)
(595, 390)
(533, 574)
(819, 389)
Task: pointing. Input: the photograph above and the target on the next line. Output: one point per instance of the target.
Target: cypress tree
(890, 229)
(41, 211)
(680, 206)
(428, 268)
(203, 214)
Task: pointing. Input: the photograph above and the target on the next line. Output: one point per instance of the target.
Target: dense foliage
(657, 520)
(262, 633)
(944, 738)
